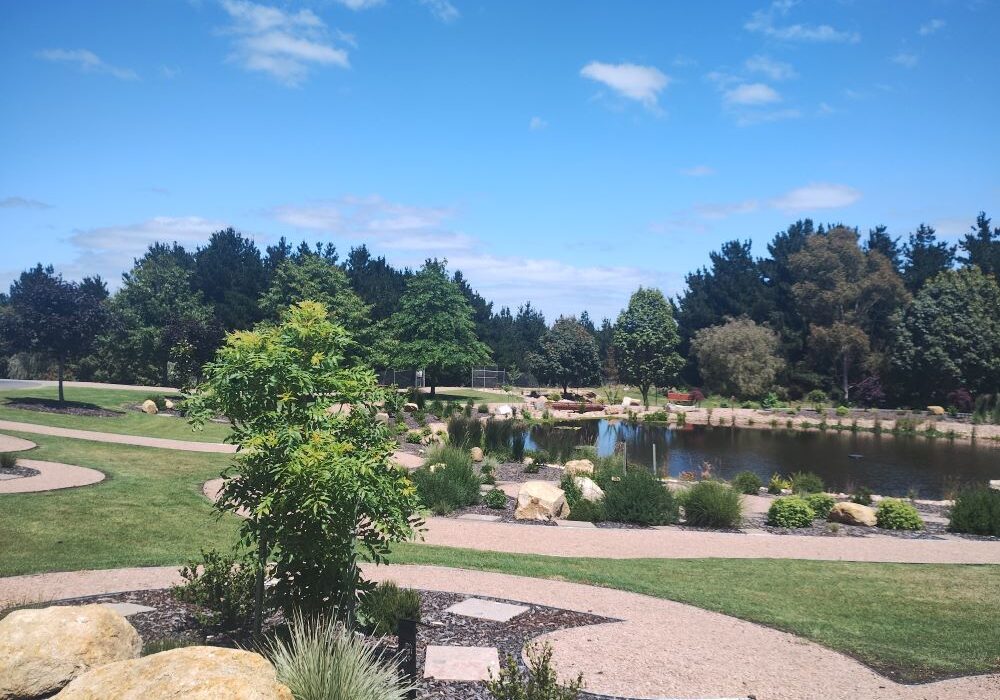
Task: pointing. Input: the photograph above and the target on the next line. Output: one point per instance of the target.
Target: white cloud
(931, 27)
(766, 22)
(22, 203)
(906, 59)
(87, 61)
(698, 171)
(285, 45)
(726, 209)
(442, 9)
(818, 195)
(775, 70)
(751, 94)
(537, 124)
(640, 83)
(360, 4)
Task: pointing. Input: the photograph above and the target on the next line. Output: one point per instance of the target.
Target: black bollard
(406, 634)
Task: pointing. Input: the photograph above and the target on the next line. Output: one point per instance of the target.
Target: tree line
(865, 319)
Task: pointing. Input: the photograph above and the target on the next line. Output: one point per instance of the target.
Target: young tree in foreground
(646, 341)
(314, 482)
(568, 355)
(738, 358)
(58, 319)
(433, 328)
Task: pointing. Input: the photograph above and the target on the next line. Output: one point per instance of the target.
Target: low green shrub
(894, 514)
(842, 411)
(747, 482)
(790, 511)
(712, 504)
(588, 512)
(447, 480)
(572, 491)
(638, 497)
(414, 437)
(862, 495)
(976, 511)
(554, 396)
(482, 408)
(382, 607)
(540, 683)
(658, 416)
(496, 499)
(777, 484)
(222, 586)
(807, 482)
(8, 460)
(822, 503)
(320, 659)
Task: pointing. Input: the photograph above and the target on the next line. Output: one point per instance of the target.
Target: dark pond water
(892, 466)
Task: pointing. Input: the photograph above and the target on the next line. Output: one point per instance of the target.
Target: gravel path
(660, 649)
(50, 476)
(35, 383)
(9, 443)
(137, 440)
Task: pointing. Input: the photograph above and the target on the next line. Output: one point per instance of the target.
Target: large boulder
(149, 406)
(540, 500)
(504, 411)
(850, 513)
(589, 490)
(192, 673)
(995, 484)
(936, 410)
(410, 407)
(628, 402)
(477, 454)
(579, 466)
(41, 650)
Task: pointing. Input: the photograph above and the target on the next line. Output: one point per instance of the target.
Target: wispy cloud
(698, 171)
(769, 23)
(442, 9)
(640, 83)
(931, 27)
(537, 124)
(726, 209)
(905, 59)
(751, 94)
(284, 45)
(817, 195)
(22, 203)
(169, 72)
(775, 70)
(87, 61)
(752, 117)
(357, 5)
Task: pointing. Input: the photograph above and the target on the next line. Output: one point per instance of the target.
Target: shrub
(436, 408)
(322, 660)
(770, 401)
(638, 497)
(747, 482)
(497, 435)
(8, 460)
(843, 411)
(222, 585)
(790, 511)
(541, 683)
(822, 503)
(863, 496)
(807, 482)
(159, 399)
(894, 514)
(533, 468)
(382, 607)
(573, 493)
(414, 437)
(482, 408)
(554, 396)
(817, 397)
(496, 499)
(447, 480)
(976, 511)
(659, 416)
(777, 484)
(588, 512)
(712, 504)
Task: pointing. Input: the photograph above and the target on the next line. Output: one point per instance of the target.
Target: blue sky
(563, 152)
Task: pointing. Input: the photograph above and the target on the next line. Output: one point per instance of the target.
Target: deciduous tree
(567, 355)
(738, 358)
(646, 342)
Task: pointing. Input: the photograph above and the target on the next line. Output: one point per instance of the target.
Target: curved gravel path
(118, 439)
(51, 476)
(9, 443)
(659, 649)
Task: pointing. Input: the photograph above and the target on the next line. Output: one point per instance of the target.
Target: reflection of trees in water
(560, 440)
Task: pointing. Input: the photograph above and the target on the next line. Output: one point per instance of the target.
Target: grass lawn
(131, 423)
(913, 622)
(463, 394)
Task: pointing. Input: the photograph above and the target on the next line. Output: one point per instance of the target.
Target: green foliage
(646, 341)
(790, 512)
(464, 431)
(540, 683)
(638, 497)
(496, 499)
(843, 411)
(497, 435)
(822, 503)
(770, 401)
(862, 495)
(894, 514)
(383, 606)
(413, 437)
(323, 660)
(659, 416)
(777, 484)
(747, 482)
(712, 504)
(447, 480)
(807, 482)
(738, 358)
(573, 493)
(568, 355)
(517, 439)
(8, 460)
(817, 397)
(976, 511)
(588, 511)
(221, 585)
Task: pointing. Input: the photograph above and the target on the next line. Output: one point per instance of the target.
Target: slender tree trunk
(644, 390)
(258, 594)
(62, 365)
(847, 397)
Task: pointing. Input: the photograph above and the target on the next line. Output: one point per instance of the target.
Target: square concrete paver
(483, 517)
(461, 663)
(575, 523)
(126, 609)
(486, 609)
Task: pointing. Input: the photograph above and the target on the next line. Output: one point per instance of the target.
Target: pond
(886, 464)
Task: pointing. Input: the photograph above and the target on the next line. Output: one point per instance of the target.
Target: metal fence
(401, 377)
(488, 377)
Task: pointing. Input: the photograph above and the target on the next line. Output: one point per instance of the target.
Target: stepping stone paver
(486, 609)
(126, 609)
(482, 517)
(575, 523)
(461, 663)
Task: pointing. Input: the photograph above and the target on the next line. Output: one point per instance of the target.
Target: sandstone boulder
(589, 490)
(995, 484)
(382, 417)
(477, 454)
(579, 466)
(41, 650)
(410, 407)
(628, 402)
(168, 404)
(936, 410)
(149, 406)
(192, 673)
(504, 411)
(852, 514)
(540, 500)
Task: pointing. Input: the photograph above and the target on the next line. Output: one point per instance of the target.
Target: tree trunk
(433, 388)
(644, 390)
(258, 593)
(62, 365)
(847, 397)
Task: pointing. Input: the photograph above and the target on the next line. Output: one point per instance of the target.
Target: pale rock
(579, 466)
(589, 490)
(540, 500)
(477, 454)
(168, 404)
(149, 406)
(410, 407)
(850, 513)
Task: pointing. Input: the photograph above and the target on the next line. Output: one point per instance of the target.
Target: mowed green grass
(913, 622)
(462, 394)
(132, 422)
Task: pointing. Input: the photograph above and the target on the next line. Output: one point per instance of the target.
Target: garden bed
(69, 408)
(17, 472)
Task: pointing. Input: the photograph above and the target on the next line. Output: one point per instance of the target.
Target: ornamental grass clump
(447, 480)
(712, 504)
(894, 514)
(465, 431)
(790, 512)
(497, 434)
(8, 460)
(747, 482)
(976, 511)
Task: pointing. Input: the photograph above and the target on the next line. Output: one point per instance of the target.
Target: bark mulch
(72, 408)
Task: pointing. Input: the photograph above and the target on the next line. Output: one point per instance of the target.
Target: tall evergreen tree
(982, 246)
(377, 282)
(881, 242)
(924, 257)
(230, 274)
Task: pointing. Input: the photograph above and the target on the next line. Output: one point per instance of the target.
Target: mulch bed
(68, 407)
(19, 472)
(175, 622)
